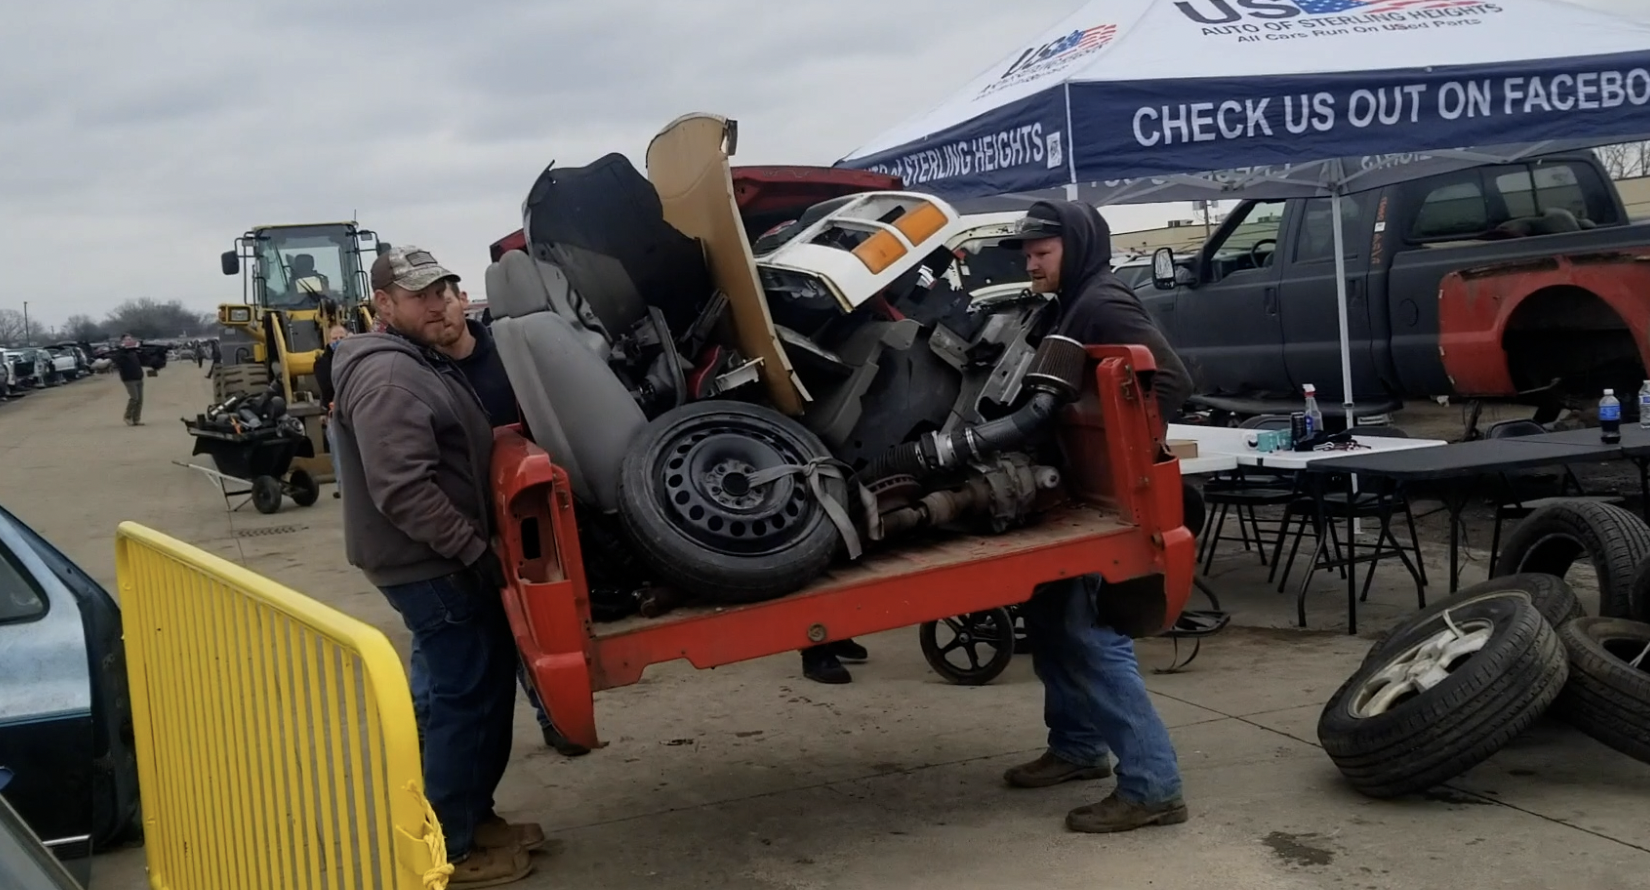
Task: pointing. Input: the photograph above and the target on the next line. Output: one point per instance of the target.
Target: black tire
(1550, 595)
(1552, 538)
(303, 488)
(1488, 697)
(267, 494)
(692, 531)
(992, 629)
(1638, 594)
(1607, 698)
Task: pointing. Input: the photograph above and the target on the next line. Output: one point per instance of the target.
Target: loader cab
(297, 267)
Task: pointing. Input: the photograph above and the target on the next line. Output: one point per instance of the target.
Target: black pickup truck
(1524, 282)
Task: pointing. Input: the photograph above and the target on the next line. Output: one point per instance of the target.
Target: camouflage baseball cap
(409, 268)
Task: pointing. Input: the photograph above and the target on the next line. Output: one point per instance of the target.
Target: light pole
(26, 323)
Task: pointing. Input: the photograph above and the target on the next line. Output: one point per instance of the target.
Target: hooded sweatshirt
(1098, 309)
(414, 453)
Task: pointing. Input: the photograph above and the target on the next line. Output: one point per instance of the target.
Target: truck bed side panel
(1416, 277)
(1476, 304)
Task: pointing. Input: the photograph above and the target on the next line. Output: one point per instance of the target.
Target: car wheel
(1552, 538)
(1608, 695)
(687, 505)
(1550, 595)
(1461, 685)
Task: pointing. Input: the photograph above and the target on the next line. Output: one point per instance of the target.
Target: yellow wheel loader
(297, 281)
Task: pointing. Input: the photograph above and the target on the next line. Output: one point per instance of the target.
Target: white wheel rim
(1421, 667)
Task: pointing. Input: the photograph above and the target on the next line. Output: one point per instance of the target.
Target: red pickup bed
(1124, 522)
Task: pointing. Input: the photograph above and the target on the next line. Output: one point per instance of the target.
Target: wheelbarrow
(258, 462)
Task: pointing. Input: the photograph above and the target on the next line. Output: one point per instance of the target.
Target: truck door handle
(1271, 301)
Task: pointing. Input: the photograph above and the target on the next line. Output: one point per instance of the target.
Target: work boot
(849, 651)
(821, 665)
(485, 867)
(1116, 814)
(494, 833)
(1052, 769)
(564, 746)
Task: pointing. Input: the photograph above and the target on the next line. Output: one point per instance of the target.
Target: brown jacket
(415, 451)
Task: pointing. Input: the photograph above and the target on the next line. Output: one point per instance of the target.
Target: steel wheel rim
(702, 486)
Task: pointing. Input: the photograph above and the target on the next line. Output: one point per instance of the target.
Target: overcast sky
(139, 137)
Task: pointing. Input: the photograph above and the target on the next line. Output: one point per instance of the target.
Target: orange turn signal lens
(921, 223)
(879, 251)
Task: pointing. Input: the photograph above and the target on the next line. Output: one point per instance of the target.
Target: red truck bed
(1125, 524)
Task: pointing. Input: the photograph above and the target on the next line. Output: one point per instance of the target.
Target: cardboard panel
(688, 165)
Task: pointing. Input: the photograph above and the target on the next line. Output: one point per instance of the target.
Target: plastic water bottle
(1609, 417)
(1644, 406)
(1314, 414)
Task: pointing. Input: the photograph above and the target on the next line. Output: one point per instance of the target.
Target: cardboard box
(1185, 449)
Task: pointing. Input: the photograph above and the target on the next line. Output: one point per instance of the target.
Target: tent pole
(1346, 327)
(1340, 302)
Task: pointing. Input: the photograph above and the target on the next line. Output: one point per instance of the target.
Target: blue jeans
(332, 455)
(419, 681)
(466, 657)
(1094, 700)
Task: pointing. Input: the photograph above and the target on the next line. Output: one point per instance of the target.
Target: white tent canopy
(1129, 101)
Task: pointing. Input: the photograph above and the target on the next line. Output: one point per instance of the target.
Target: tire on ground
(1552, 538)
(1638, 594)
(1550, 595)
(1416, 741)
(1607, 697)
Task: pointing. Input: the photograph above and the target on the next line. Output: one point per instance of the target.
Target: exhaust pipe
(1054, 378)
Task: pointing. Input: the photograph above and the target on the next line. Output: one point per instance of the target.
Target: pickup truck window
(20, 599)
(1504, 201)
(1315, 241)
(1250, 242)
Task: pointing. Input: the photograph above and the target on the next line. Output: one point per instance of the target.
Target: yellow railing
(275, 738)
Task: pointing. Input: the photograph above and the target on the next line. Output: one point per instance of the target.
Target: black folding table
(1463, 462)
(1634, 446)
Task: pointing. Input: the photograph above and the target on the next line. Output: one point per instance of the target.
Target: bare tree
(84, 329)
(145, 317)
(1626, 160)
(12, 329)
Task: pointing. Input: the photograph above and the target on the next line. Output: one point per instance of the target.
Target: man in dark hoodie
(1095, 702)
(414, 446)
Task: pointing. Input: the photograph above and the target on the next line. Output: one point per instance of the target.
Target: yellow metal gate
(275, 737)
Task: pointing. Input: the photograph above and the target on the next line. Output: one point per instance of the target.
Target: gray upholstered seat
(555, 352)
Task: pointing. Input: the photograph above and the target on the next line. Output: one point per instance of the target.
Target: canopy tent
(1129, 101)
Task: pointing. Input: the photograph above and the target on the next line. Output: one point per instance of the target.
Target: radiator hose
(1054, 379)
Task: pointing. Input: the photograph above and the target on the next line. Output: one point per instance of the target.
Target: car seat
(554, 351)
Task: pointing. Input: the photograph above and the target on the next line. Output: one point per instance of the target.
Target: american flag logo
(1095, 37)
(1330, 7)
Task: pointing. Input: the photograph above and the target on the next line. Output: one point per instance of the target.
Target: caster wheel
(976, 648)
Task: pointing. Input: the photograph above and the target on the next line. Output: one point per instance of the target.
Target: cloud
(138, 139)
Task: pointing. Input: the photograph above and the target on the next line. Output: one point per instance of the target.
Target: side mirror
(383, 247)
(1164, 270)
(231, 263)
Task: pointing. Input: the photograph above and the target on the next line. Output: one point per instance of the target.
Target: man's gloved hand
(489, 571)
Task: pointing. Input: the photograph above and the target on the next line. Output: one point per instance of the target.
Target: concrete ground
(752, 777)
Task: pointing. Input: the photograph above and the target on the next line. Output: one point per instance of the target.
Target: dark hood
(350, 350)
(1086, 242)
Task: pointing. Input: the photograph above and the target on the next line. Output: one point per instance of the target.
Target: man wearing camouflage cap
(414, 450)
